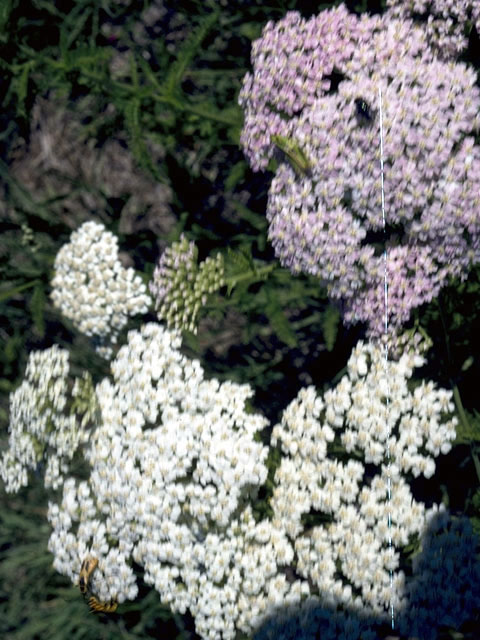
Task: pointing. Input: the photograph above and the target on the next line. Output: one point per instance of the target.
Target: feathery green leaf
(187, 53)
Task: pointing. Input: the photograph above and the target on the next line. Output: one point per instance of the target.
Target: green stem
(256, 274)
(9, 293)
(476, 461)
(211, 114)
(445, 332)
(460, 409)
(208, 113)
(456, 395)
(178, 104)
(466, 425)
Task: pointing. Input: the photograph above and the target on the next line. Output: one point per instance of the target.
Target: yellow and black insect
(88, 567)
(102, 607)
(295, 155)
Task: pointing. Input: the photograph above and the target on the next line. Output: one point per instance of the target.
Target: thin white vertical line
(385, 297)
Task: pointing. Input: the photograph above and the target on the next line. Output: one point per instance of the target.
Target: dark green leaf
(37, 308)
(279, 321)
(331, 320)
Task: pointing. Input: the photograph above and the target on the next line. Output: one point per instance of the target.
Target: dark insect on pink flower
(365, 115)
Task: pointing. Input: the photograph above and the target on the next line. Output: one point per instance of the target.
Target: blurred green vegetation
(162, 79)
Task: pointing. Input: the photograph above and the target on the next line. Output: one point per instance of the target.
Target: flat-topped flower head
(368, 412)
(174, 467)
(327, 221)
(92, 288)
(447, 23)
(43, 429)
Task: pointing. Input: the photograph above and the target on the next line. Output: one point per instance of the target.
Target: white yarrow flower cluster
(41, 430)
(174, 468)
(443, 590)
(113, 579)
(415, 426)
(92, 288)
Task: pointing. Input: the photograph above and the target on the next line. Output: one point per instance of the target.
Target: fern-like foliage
(189, 49)
(279, 321)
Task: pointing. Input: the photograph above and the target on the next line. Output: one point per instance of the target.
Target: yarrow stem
(232, 281)
(460, 409)
(457, 398)
(385, 282)
(15, 290)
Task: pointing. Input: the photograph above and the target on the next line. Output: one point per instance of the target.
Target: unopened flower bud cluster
(369, 411)
(41, 429)
(181, 287)
(92, 288)
(326, 219)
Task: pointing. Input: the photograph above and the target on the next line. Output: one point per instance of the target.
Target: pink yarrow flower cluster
(446, 22)
(327, 219)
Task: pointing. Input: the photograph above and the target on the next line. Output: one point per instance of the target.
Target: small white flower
(108, 293)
